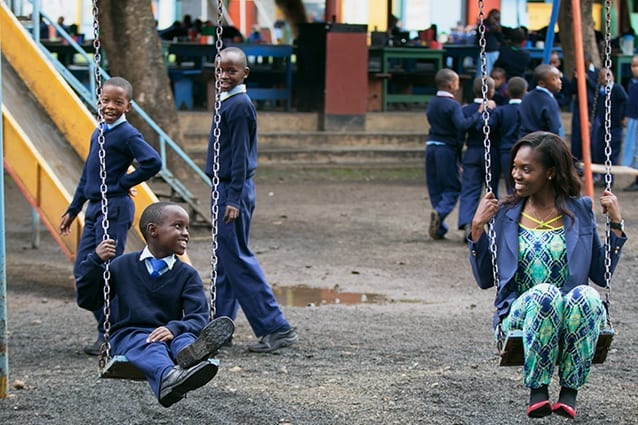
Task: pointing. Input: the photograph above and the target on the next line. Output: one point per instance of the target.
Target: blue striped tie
(157, 265)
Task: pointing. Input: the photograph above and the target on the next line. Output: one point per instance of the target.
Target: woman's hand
(486, 209)
(609, 202)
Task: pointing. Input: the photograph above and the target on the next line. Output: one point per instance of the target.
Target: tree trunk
(566, 25)
(295, 13)
(133, 51)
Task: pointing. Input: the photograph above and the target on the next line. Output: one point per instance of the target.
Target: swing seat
(511, 350)
(120, 368)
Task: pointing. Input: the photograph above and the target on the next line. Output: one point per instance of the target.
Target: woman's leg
(583, 318)
(537, 312)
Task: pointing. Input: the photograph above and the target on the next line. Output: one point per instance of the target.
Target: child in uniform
(505, 122)
(500, 86)
(617, 119)
(473, 176)
(241, 281)
(162, 305)
(443, 149)
(123, 145)
(631, 135)
(539, 108)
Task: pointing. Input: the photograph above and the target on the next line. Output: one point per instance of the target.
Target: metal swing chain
(215, 180)
(105, 350)
(608, 177)
(485, 114)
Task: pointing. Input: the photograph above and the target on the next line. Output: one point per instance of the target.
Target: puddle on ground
(300, 296)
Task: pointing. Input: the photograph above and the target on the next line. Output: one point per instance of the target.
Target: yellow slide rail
(38, 182)
(65, 109)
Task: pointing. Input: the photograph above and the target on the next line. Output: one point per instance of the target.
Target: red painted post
(579, 56)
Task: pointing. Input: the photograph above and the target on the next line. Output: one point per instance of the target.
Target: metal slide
(46, 132)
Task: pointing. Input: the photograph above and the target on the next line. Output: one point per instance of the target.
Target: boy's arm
(194, 305)
(148, 162)
(89, 283)
(240, 131)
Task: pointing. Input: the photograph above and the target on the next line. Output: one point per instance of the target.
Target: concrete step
(334, 155)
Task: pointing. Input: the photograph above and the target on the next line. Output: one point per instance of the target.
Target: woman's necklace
(542, 223)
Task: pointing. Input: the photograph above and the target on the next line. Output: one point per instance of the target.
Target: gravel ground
(415, 348)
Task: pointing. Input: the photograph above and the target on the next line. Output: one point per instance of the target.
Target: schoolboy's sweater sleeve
(78, 197)
(195, 307)
(89, 283)
(461, 122)
(148, 161)
(238, 126)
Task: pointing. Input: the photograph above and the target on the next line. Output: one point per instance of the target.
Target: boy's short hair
(517, 36)
(238, 52)
(444, 77)
(477, 85)
(516, 87)
(153, 214)
(542, 71)
(121, 83)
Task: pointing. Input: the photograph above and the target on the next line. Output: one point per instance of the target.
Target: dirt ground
(415, 348)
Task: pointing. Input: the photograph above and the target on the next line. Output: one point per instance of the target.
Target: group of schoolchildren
(159, 313)
(455, 153)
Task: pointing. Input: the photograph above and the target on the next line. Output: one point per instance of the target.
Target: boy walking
(123, 145)
(443, 149)
(539, 108)
(240, 279)
(505, 122)
(473, 176)
(163, 310)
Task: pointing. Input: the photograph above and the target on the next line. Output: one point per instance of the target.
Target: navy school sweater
(238, 145)
(447, 121)
(123, 145)
(539, 112)
(504, 123)
(175, 299)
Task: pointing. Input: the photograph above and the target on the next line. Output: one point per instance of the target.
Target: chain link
(105, 350)
(214, 209)
(608, 176)
(485, 115)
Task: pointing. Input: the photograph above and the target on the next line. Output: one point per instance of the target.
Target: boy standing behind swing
(123, 145)
(162, 309)
(241, 281)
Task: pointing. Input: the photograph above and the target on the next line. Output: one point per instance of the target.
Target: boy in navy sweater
(162, 309)
(123, 146)
(505, 121)
(617, 119)
(240, 279)
(539, 108)
(473, 176)
(443, 149)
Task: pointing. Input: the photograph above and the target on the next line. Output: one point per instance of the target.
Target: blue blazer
(585, 253)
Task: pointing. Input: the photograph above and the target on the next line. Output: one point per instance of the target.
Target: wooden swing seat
(512, 351)
(614, 169)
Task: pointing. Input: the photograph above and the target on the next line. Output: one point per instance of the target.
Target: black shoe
(274, 341)
(94, 349)
(435, 225)
(213, 336)
(631, 188)
(178, 381)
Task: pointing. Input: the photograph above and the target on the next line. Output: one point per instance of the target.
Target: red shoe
(540, 409)
(561, 409)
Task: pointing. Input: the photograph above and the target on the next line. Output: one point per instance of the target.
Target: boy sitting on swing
(162, 306)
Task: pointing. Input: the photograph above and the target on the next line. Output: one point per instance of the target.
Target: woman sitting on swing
(547, 248)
